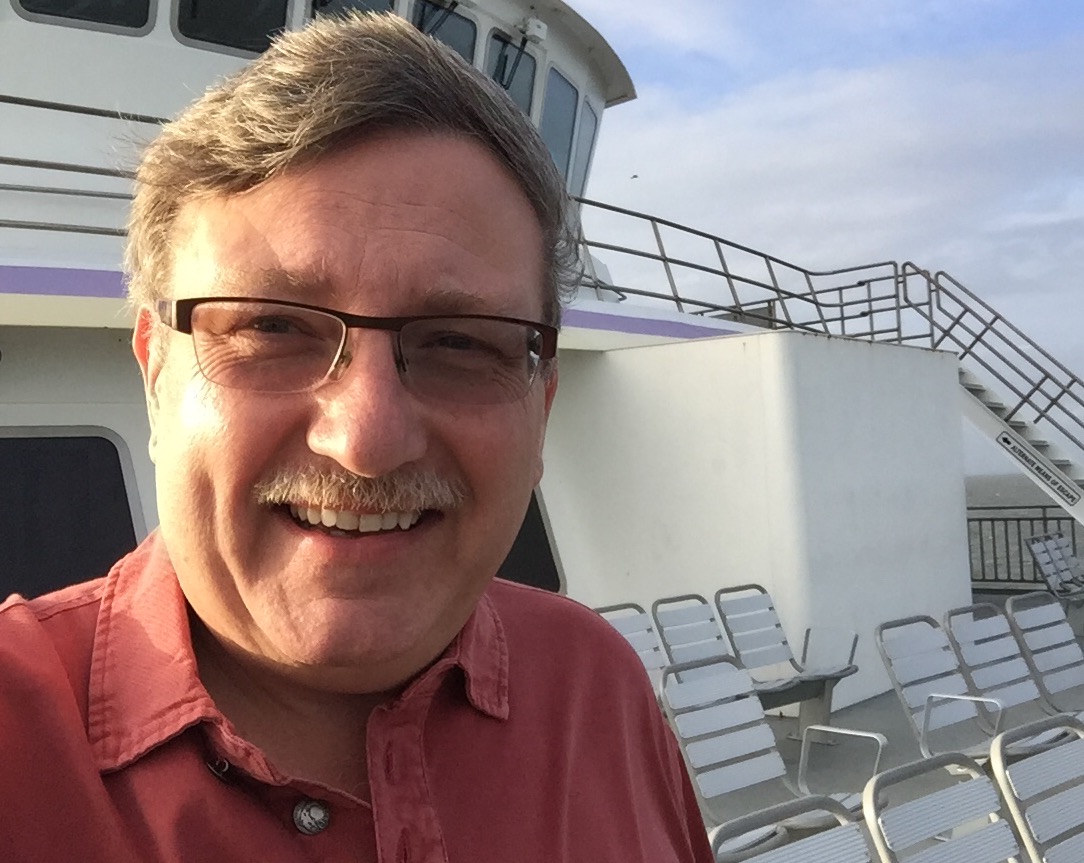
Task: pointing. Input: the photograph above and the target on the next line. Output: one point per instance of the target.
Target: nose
(365, 419)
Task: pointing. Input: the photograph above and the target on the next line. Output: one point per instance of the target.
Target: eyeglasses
(282, 347)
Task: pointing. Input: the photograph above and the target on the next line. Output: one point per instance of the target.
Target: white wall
(828, 470)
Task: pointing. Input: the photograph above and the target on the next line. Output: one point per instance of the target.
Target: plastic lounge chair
(844, 843)
(963, 822)
(936, 696)
(993, 662)
(1050, 648)
(635, 624)
(730, 750)
(687, 628)
(1058, 566)
(752, 625)
(1044, 793)
(931, 687)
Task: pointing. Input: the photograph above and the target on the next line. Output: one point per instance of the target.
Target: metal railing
(997, 541)
(32, 168)
(887, 301)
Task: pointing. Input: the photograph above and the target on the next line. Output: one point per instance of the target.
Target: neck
(306, 733)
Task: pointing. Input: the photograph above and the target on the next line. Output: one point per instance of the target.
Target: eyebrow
(314, 285)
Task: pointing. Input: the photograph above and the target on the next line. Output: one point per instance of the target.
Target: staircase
(1011, 389)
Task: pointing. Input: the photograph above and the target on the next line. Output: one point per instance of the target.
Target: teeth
(370, 523)
(351, 521)
(347, 521)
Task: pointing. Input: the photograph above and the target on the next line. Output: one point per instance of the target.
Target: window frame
(216, 47)
(571, 81)
(585, 105)
(309, 14)
(94, 26)
(409, 15)
(124, 456)
(529, 49)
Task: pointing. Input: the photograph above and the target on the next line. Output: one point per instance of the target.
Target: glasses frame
(177, 315)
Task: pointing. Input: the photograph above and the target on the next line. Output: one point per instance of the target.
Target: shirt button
(311, 816)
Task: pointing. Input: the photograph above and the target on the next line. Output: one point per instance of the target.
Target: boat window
(584, 145)
(117, 13)
(64, 514)
(513, 68)
(248, 26)
(447, 25)
(336, 7)
(559, 118)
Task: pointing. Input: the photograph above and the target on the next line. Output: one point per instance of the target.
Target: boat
(724, 416)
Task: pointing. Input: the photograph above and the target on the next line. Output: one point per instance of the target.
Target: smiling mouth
(346, 523)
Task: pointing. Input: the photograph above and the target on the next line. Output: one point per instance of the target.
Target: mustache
(399, 491)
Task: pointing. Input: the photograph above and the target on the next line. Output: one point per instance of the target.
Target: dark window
(584, 144)
(64, 513)
(513, 68)
(249, 26)
(449, 27)
(531, 559)
(335, 7)
(119, 13)
(559, 118)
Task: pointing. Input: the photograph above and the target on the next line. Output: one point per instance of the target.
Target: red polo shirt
(535, 737)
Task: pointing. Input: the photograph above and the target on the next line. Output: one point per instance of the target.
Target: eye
(272, 325)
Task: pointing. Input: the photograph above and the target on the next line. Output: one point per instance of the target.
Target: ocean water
(998, 537)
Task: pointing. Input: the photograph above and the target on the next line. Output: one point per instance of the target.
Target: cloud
(973, 165)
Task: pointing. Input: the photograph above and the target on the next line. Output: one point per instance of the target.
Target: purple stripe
(60, 282)
(641, 326)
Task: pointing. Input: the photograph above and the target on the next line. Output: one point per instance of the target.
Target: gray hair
(337, 79)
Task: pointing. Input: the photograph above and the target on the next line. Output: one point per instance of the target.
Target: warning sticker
(1031, 460)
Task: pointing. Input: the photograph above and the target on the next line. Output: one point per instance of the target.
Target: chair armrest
(923, 740)
(803, 760)
(808, 640)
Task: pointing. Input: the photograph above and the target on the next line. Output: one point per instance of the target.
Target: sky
(833, 133)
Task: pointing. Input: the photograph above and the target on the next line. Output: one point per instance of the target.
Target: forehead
(396, 224)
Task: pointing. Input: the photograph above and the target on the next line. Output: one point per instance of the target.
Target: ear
(148, 353)
(550, 390)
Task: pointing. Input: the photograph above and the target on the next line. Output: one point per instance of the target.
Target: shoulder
(556, 630)
(46, 642)
(529, 610)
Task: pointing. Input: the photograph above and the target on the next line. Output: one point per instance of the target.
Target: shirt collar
(144, 681)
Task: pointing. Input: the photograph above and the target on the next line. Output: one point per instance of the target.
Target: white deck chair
(636, 625)
(1058, 566)
(931, 687)
(963, 822)
(937, 697)
(1050, 648)
(688, 630)
(1044, 793)
(753, 628)
(844, 843)
(730, 750)
(993, 662)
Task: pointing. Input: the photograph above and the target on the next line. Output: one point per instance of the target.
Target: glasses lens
(266, 347)
(470, 360)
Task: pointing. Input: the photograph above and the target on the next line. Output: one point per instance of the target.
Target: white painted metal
(827, 470)
(1043, 461)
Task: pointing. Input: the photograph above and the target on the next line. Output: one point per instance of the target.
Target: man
(346, 264)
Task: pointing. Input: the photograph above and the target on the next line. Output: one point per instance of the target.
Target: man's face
(396, 225)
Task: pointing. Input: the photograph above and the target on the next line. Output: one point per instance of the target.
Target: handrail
(886, 301)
